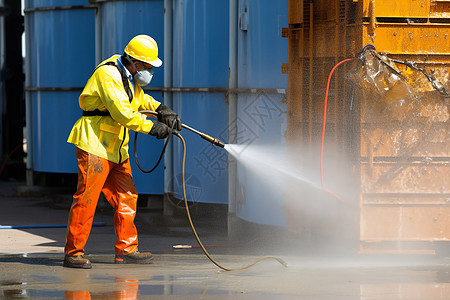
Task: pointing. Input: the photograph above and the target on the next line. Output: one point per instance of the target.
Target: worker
(111, 101)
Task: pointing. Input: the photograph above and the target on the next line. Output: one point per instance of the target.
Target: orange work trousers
(96, 175)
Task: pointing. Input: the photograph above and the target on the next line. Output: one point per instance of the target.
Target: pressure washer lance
(218, 143)
(212, 140)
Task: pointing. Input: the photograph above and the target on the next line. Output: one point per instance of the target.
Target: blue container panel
(54, 114)
(200, 43)
(200, 59)
(261, 122)
(148, 151)
(206, 165)
(262, 50)
(62, 56)
(261, 118)
(63, 47)
(123, 20)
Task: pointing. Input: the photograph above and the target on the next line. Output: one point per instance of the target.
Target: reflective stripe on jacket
(107, 136)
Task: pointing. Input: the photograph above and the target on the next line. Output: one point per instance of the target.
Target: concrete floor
(31, 265)
(191, 276)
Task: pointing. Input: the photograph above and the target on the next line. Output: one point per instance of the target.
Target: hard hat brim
(156, 63)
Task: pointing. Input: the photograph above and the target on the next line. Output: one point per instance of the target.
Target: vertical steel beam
(336, 75)
(98, 34)
(311, 54)
(294, 72)
(168, 45)
(232, 114)
(28, 100)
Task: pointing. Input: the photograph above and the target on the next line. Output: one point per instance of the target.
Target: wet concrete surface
(191, 276)
(31, 264)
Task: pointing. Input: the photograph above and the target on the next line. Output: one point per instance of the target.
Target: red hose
(324, 126)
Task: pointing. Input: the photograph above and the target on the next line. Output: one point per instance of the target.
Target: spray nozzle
(212, 140)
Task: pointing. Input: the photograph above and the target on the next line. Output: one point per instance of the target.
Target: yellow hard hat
(144, 48)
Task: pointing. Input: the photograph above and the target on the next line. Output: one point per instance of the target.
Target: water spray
(215, 142)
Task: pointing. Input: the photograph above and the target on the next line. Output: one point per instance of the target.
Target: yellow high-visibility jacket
(107, 136)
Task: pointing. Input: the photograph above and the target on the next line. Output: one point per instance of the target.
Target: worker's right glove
(168, 117)
(160, 130)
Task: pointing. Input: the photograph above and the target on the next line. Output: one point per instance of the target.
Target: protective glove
(160, 130)
(168, 117)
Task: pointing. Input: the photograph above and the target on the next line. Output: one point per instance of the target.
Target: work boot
(134, 258)
(77, 261)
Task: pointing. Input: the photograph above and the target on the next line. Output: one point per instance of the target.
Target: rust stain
(95, 165)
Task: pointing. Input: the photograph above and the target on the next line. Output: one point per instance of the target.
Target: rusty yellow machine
(397, 107)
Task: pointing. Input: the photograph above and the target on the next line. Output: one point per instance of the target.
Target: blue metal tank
(200, 60)
(120, 22)
(62, 57)
(261, 115)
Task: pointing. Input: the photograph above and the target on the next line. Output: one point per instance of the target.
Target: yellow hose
(195, 233)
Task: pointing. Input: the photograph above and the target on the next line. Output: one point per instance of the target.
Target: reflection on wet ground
(191, 276)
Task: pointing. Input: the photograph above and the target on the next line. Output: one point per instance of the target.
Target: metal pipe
(64, 7)
(28, 100)
(232, 114)
(52, 89)
(175, 89)
(98, 34)
(294, 91)
(311, 73)
(3, 12)
(336, 77)
(218, 90)
(168, 41)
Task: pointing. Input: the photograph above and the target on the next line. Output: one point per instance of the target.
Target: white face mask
(143, 77)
